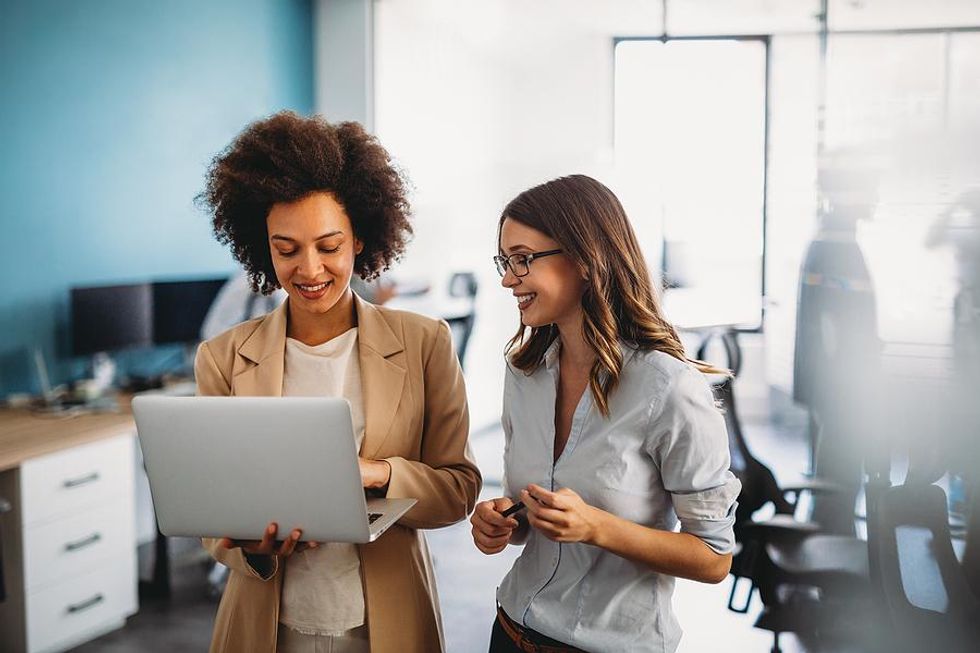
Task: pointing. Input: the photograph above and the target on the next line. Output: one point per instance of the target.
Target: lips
(523, 301)
(312, 291)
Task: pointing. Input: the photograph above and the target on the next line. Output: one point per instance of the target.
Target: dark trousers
(501, 643)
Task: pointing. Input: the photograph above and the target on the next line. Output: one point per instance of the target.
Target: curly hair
(620, 301)
(286, 157)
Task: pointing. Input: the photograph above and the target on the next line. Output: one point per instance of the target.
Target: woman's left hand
(561, 516)
(375, 474)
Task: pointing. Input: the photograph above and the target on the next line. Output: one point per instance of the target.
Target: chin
(322, 305)
(533, 323)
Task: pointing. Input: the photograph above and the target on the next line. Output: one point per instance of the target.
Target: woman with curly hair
(612, 436)
(304, 204)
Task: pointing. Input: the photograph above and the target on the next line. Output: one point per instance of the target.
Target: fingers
(547, 529)
(487, 512)
(303, 546)
(289, 544)
(557, 499)
(268, 543)
(491, 531)
(549, 515)
(489, 544)
(501, 504)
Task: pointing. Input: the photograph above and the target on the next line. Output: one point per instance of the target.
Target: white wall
(479, 101)
(343, 60)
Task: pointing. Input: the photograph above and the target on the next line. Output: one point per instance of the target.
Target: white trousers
(353, 641)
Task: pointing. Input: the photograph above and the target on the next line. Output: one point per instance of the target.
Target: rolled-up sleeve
(688, 441)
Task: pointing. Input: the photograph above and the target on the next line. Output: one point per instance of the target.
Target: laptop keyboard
(373, 517)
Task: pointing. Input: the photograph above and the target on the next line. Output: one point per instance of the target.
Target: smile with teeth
(317, 288)
(524, 300)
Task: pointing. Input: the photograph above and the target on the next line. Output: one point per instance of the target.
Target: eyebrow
(291, 240)
(514, 248)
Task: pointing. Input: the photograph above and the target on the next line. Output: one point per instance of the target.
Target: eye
(286, 254)
(325, 250)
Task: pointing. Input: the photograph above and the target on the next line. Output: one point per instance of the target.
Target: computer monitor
(179, 309)
(110, 318)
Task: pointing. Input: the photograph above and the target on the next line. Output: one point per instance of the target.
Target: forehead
(517, 236)
(316, 214)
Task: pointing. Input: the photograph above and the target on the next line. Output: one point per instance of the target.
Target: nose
(509, 280)
(309, 266)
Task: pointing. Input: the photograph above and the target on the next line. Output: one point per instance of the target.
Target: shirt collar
(551, 354)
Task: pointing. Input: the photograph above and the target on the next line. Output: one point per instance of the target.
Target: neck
(575, 352)
(317, 328)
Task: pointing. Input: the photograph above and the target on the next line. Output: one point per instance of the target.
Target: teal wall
(111, 111)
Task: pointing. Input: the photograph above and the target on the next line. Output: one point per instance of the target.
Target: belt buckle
(528, 646)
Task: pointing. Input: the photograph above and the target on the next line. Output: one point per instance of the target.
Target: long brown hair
(619, 303)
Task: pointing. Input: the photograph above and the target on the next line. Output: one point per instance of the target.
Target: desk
(69, 541)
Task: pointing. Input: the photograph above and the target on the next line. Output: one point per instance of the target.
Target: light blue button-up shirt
(659, 458)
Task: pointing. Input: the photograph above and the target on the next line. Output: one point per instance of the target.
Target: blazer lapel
(382, 375)
(259, 367)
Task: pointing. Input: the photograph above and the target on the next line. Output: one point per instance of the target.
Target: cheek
(282, 270)
(341, 267)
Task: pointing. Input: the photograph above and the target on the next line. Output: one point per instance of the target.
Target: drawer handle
(85, 605)
(81, 544)
(84, 480)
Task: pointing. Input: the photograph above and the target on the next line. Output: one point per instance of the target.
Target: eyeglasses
(520, 264)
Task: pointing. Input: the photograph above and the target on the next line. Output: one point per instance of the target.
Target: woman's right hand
(268, 545)
(491, 530)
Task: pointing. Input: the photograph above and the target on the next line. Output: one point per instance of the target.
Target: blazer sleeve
(211, 381)
(446, 481)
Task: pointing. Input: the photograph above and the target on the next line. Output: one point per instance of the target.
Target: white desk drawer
(60, 615)
(68, 547)
(66, 482)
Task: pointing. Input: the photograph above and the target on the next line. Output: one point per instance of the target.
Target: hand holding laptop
(269, 545)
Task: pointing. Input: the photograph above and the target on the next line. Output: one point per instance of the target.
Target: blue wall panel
(111, 111)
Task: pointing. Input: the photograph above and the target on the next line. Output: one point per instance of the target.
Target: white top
(659, 459)
(322, 593)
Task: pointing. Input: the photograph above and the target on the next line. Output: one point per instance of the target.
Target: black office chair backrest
(759, 486)
(922, 587)
(971, 556)
(463, 284)
(4, 507)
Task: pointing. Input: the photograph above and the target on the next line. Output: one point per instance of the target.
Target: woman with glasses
(612, 438)
(305, 205)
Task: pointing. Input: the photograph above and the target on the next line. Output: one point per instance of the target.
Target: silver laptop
(227, 466)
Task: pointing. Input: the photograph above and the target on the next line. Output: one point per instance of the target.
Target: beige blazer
(415, 417)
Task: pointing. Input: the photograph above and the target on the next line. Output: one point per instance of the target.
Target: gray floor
(467, 580)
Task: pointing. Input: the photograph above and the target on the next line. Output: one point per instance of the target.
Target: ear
(358, 246)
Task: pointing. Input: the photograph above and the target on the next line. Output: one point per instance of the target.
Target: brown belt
(524, 638)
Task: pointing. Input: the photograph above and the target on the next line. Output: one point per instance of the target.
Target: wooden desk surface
(25, 434)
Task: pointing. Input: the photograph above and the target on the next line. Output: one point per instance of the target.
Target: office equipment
(109, 318)
(69, 541)
(179, 309)
(212, 460)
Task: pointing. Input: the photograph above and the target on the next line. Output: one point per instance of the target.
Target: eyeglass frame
(504, 261)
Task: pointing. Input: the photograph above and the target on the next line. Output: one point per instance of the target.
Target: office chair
(463, 284)
(923, 593)
(4, 507)
(759, 486)
(797, 571)
(971, 555)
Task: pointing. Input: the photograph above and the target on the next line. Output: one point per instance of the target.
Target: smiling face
(313, 248)
(551, 293)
